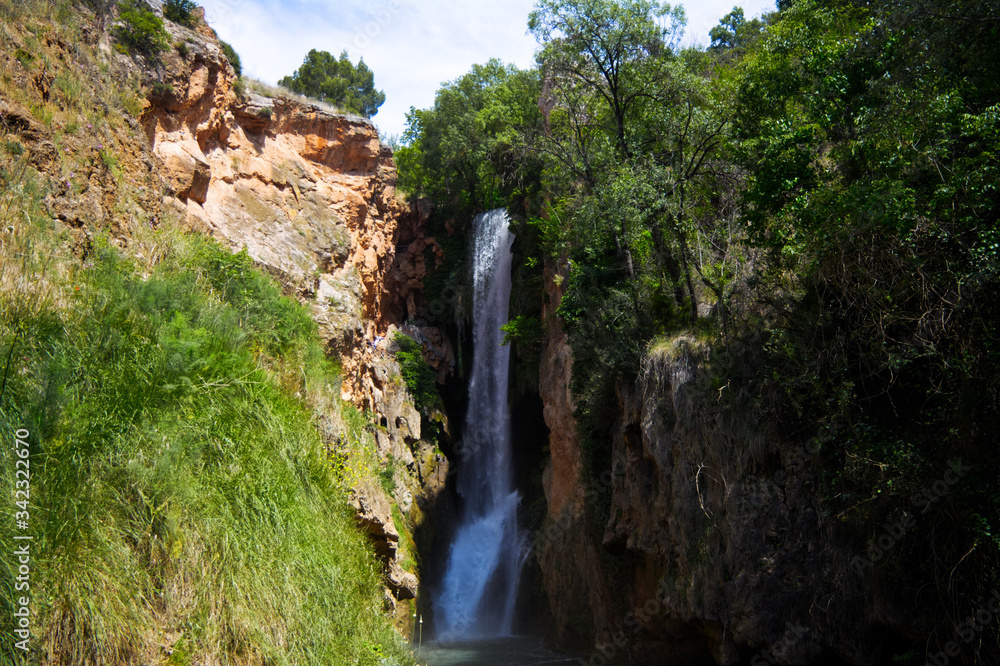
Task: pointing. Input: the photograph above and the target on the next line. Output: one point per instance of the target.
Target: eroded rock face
(744, 557)
(374, 514)
(569, 560)
(85, 193)
(373, 511)
(698, 560)
(716, 562)
(311, 196)
(562, 476)
(308, 193)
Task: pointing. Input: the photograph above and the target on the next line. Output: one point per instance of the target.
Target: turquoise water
(514, 651)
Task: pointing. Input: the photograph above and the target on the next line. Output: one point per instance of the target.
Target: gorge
(485, 559)
(647, 354)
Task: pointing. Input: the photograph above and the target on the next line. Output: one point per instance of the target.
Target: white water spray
(480, 584)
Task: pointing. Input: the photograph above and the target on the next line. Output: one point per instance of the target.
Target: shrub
(159, 89)
(140, 30)
(180, 12)
(417, 374)
(232, 57)
(13, 147)
(272, 319)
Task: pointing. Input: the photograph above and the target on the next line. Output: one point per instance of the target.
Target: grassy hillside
(183, 504)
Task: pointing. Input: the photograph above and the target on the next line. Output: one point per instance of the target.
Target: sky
(412, 46)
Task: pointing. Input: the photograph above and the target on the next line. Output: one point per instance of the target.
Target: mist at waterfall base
(477, 594)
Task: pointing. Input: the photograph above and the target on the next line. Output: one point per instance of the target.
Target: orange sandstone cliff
(310, 194)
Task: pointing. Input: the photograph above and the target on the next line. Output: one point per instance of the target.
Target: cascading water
(480, 583)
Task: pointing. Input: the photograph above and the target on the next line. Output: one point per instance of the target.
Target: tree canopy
(817, 189)
(468, 150)
(609, 48)
(734, 31)
(337, 81)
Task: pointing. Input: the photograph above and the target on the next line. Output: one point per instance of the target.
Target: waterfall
(478, 591)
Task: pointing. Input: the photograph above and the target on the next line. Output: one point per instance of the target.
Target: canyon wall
(702, 541)
(310, 195)
(570, 561)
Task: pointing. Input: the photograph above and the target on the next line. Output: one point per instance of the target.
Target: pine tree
(337, 81)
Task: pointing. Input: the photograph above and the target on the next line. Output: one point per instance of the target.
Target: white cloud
(412, 46)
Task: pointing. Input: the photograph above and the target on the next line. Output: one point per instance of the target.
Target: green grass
(268, 90)
(182, 505)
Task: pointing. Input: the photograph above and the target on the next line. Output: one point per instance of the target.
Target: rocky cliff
(565, 553)
(310, 195)
(704, 541)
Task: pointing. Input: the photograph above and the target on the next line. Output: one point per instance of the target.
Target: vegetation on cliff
(185, 506)
(815, 193)
(139, 30)
(417, 373)
(337, 81)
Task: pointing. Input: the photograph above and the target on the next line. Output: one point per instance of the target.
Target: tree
(631, 118)
(467, 151)
(337, 81)
(734, 31)
(611, 48)
(180, 11)
(869, 134)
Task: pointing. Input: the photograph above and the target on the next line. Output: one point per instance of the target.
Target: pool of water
(514, 651)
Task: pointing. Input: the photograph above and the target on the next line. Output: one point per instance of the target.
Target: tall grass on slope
(182, 508)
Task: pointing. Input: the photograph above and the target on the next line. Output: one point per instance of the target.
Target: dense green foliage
(178, 489)
(179, 11)
(734, 31)
(140, 30)
(466, 152)
(607, 61)
(816, 192)
(417, 374)
(337, 81)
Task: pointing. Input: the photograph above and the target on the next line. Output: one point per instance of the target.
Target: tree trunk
(687, 278)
